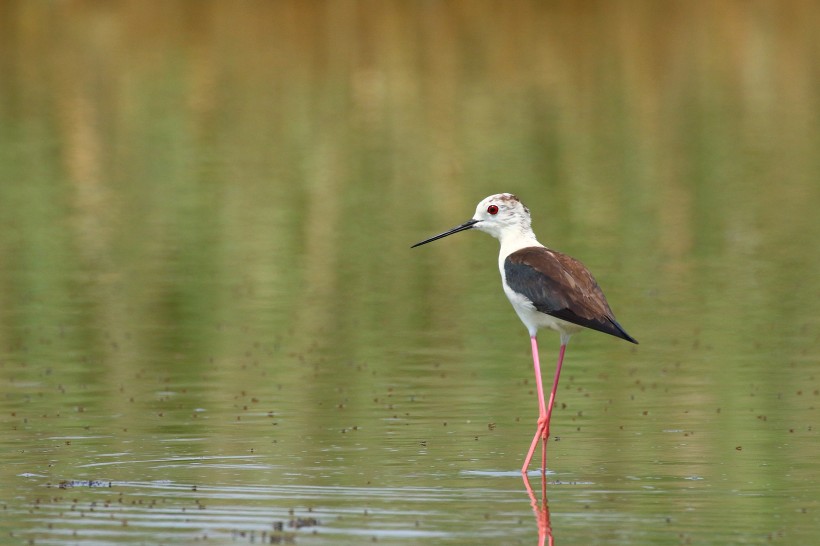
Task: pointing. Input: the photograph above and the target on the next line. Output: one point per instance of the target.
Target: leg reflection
(542, 511)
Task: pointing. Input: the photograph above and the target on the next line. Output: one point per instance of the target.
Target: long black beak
(466, 225)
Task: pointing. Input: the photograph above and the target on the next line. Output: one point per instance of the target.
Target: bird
(546, 288)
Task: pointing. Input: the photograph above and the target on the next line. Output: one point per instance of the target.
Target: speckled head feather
(502, 213)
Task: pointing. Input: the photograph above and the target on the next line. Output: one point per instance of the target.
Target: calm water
(213, 330)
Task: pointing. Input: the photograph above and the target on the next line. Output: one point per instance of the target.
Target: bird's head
(501, 213)
(497, 215)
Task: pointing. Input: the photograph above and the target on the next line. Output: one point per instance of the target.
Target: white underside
(534, 319)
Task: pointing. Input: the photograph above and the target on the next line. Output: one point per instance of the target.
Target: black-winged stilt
(546, 288)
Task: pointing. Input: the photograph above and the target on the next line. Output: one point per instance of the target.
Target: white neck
(513, 240)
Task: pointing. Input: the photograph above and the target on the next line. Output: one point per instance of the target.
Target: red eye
(492, 209)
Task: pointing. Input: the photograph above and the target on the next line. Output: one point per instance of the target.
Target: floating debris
(298, 523)
(66, 484)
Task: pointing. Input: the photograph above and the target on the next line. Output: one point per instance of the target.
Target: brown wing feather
(563, 287)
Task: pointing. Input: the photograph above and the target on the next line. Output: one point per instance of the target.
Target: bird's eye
(492, 209)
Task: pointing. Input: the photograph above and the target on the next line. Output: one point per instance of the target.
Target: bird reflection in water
(542, 512)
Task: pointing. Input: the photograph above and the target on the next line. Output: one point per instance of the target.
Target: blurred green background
(217, 199)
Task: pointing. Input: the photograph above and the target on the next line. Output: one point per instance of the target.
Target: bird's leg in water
(544, 410)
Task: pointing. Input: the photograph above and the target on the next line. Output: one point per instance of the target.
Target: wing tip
(621, 333)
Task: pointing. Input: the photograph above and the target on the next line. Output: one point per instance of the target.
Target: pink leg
(554, 389)
(544, 410)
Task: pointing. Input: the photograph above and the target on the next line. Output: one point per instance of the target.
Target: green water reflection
(207, 295)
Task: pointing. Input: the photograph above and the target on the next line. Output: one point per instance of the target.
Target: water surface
(212, 327)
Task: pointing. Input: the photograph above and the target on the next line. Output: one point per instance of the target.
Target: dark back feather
(562, 287)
